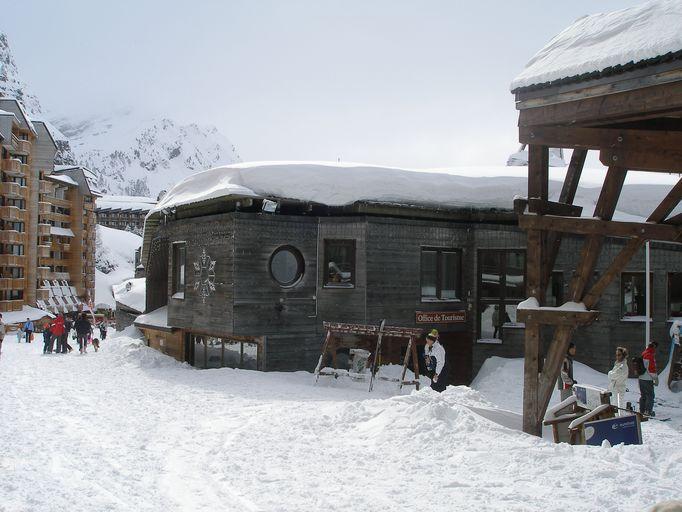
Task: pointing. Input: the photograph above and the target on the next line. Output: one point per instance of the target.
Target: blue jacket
(28, 326)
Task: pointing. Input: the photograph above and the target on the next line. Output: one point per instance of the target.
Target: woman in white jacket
(618, 376)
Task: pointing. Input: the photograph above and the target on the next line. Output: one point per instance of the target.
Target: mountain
(142, 155)
(131, 153)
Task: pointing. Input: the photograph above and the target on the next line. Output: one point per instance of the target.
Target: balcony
(21, 146)
(44, 251)
(12, 283)
(11, 213)
(43, 293)
(57, 201)
(44, 208)
(46, 187)
(13, 167)
(60, 276)
(10, 189)
(44, 229)
(11, 305)
(44, 273)
(12, 260)
(12, 237)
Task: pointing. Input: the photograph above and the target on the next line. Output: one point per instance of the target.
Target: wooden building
(245, 279)
(47, 231)
(611, 83)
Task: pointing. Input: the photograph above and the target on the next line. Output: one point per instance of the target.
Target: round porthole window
(286, 266)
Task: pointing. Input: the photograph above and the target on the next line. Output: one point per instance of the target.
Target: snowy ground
(130, 429)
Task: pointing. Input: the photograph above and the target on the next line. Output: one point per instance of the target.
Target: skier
(648, 380)
(618, 376)
(28, 330)
(434, 355)
(566, 381)
(57, 329)
(2, 333)
(83, 331)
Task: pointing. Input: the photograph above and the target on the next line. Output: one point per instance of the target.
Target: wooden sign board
(440, 317)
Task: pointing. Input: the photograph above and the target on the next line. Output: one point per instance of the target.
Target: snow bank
(594, 43)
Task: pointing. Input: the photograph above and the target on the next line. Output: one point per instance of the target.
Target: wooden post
(538, 187)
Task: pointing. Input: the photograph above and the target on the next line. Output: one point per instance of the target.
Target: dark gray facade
(239, 296)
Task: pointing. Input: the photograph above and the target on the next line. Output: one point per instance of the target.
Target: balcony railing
(12, 237)
(44, 251)
(12, 260)
(44, 208)
(46, 187)
(11, 305)
(12, 167)
(57, 201)
(60, 275)
(44, 273)
(12, 283)
(43, 293)
(11, 213)
(44, 229)
(10, 189)
(24, 146)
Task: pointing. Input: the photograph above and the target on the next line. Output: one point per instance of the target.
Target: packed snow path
(129, 429)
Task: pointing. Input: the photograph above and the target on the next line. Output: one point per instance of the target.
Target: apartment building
(47, 222)
(124, 212)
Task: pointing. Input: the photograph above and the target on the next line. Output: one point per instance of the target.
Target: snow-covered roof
(157, 318)
(138, 203)
(23, 113)
(54, 230)
(599, 42)
(68, 180)
(17, 317)
(331, 184)
(135, 297)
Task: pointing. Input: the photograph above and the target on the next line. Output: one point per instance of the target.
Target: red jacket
(58, 326)
(649, 354)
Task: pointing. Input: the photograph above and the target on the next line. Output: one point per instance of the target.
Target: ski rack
(335, 332)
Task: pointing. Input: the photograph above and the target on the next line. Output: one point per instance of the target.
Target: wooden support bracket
(556, 317)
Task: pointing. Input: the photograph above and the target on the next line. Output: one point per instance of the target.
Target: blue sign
(621, 429)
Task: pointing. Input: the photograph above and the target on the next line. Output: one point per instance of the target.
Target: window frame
(300, 261)
(177, 289)
(439, 273)
(668, 304)
(639, 317)
(502, 300)
(352, 242)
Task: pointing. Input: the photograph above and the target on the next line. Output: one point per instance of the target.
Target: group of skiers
(644, 367)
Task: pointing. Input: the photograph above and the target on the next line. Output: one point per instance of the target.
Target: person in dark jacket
(68, 325)
(83, 332)
(47, 338)
(103, 330)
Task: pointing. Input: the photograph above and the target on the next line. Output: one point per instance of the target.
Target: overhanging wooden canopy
(634, 121)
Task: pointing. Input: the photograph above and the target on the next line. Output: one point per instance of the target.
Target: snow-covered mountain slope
(135, 154)
(114, 262)
(11, 84)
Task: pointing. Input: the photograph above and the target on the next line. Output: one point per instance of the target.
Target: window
(286, 266)
(339, 260)
(213, 352)
(441, 274)
(501, 286)
(555, 290)
(179, 253)
(633, 295)
(675, 295)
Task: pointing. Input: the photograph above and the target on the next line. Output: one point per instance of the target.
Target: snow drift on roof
(156, 318)
(126, 203)
(19, 317)
(332, 184)
(63, 178)
(131, 293)
(599, 41)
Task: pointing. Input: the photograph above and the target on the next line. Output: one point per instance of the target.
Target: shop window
(675, 295)
(441, 271)
(501, 286)
(286, 266)
(179, 255)
(214, 352)
(633, 295)
(339, 260)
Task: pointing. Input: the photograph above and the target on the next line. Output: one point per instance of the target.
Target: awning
(61, 231)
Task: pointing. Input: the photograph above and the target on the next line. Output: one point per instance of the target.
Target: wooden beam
(538, 171)
(532, 420)
(675, 220)
(657, 100)
(542, 207)
(556, 317)
(652, 161)
(637, 140)
(669, 203)
(567, 195)
(588, 226)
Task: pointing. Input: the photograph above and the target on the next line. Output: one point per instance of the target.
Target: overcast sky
(407, 83)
